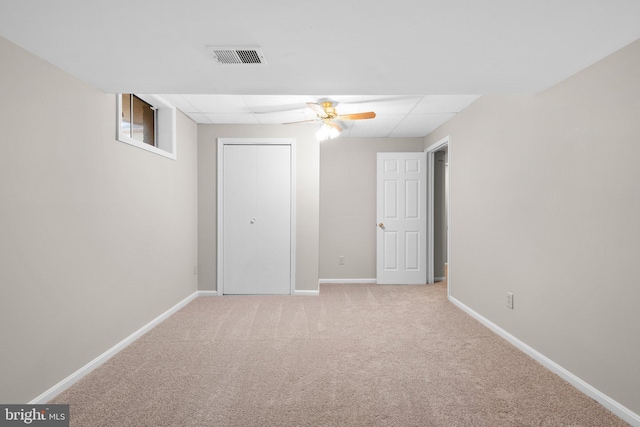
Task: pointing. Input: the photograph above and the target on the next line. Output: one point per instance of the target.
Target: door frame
(431, 160)
(220, 203)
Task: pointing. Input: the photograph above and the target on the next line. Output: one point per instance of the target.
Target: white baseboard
(76, 376)
(207, 293)
(306, 292)
(439, 279)
(296, 292)
(347, 281)
(617, 408)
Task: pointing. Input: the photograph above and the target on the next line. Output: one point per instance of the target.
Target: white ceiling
(396, 116)
(414, 62)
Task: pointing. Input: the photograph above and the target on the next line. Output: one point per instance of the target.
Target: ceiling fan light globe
(327, 132)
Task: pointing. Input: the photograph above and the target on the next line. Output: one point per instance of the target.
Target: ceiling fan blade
(317, 109)
(357, 116)
(301, 121)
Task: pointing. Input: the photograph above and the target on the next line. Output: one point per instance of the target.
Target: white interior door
(256, 213)
(402, 221)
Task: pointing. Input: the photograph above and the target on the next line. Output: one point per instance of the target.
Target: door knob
(381, 225)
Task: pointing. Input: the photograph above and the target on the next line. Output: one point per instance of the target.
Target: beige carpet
(357, 355)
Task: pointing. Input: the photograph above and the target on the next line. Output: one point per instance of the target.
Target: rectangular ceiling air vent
(237, 55)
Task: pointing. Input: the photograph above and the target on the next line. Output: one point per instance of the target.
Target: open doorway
(438, 160)
(440, 208)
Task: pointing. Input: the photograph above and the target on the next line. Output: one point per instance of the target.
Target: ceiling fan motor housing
(329, 109)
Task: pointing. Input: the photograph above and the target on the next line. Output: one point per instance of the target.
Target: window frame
(165, 124)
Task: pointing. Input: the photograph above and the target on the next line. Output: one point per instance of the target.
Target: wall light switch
(341, 260)
(510, 300)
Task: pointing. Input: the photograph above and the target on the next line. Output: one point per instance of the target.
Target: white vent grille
(237, 55)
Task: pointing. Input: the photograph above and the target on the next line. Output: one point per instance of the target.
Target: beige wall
(307, 163)
(348, 203)
(97, 237)
(545, 203)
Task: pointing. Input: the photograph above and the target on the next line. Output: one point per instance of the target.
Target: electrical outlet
(341, 260)
(510, 300)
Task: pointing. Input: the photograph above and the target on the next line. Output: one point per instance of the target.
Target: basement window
(147, 122)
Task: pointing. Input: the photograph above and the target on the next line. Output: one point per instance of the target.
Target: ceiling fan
(328, 115)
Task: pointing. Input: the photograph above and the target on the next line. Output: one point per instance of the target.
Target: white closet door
(257, 219)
